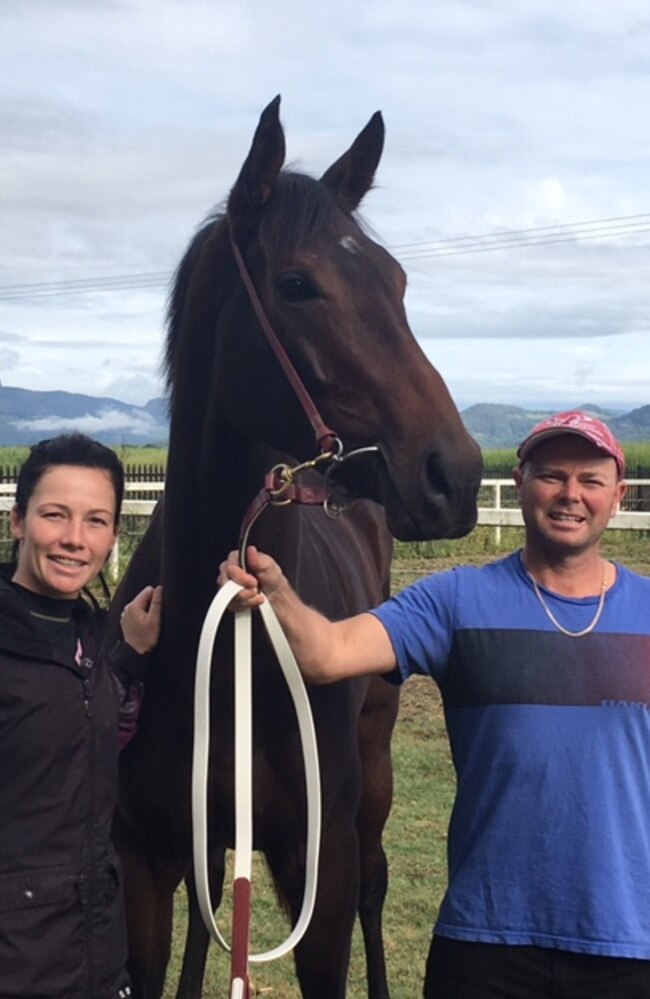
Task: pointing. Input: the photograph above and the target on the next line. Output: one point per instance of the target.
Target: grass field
(415, 837)
(128, 455)
(497, 461)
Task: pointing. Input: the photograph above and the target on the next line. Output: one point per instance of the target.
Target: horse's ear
(352, 175)
(261, 167)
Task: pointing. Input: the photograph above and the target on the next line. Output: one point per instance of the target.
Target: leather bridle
(280, 486)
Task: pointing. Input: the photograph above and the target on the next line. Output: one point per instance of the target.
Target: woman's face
(67, 532)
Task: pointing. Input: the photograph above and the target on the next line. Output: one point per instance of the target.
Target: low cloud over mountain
(27, 416)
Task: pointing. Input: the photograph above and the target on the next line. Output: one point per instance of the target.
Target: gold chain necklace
(551, 616)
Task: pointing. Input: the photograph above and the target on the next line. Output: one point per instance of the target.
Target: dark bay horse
(335, 299)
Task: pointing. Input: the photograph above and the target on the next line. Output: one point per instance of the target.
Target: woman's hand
(140, 619)
(262, 574)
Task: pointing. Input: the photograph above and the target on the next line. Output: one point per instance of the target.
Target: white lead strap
(243, 761)
(243, 747)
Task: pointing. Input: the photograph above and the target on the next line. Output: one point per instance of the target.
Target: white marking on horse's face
(350, 244)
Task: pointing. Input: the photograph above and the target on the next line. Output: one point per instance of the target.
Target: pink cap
(575, 422)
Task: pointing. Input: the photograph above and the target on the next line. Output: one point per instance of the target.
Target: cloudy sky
(514, 187)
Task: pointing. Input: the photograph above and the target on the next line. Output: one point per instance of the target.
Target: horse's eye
(295, 287)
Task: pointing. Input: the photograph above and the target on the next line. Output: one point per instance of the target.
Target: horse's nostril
(435, 475)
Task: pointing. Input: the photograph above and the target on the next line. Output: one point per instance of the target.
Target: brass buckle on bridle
(287, 474)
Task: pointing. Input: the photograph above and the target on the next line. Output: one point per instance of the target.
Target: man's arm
(325, 650)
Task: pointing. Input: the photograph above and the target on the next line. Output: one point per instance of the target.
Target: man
(543, 661)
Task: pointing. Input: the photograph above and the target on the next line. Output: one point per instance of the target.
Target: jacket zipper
(90, 887)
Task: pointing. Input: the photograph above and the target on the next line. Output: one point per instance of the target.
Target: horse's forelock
(298, 207)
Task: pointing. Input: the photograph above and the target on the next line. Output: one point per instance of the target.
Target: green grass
(631, 547)
(145, 455)
(497, 461)
(13, 455)
(637, 456)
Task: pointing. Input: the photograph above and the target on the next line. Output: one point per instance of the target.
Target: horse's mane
(179, 291)
(297, 207)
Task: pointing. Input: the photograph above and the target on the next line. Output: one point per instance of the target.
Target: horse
(334, 298)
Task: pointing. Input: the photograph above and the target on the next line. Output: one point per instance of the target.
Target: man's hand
(262, 574)
(325, 650)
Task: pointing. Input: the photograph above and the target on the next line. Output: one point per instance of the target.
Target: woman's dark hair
(68, 449)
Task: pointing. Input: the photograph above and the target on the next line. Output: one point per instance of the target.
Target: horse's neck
(210, 484)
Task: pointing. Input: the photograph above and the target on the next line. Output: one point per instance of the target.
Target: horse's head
(334, 298)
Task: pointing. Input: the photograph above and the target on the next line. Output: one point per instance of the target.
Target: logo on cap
(575, 422)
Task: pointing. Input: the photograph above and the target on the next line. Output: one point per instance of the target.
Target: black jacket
(62, 930)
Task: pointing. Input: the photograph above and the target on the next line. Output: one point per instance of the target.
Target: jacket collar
(18, 634)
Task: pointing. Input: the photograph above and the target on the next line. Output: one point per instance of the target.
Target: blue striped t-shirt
(549, 840)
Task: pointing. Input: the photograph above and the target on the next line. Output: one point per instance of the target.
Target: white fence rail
(496, 515)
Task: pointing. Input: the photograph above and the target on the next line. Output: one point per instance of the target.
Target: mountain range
(27, 416)
(499, 426)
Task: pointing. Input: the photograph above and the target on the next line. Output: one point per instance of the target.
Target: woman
(62, 928)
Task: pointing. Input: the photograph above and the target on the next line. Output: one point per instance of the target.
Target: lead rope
(240, 986)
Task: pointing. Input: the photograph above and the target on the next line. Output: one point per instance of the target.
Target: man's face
(568, 490)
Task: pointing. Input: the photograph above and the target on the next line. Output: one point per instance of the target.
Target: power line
(569, 228)
(504, 242)
(606, 228)
(118, 282)
(82, 283)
